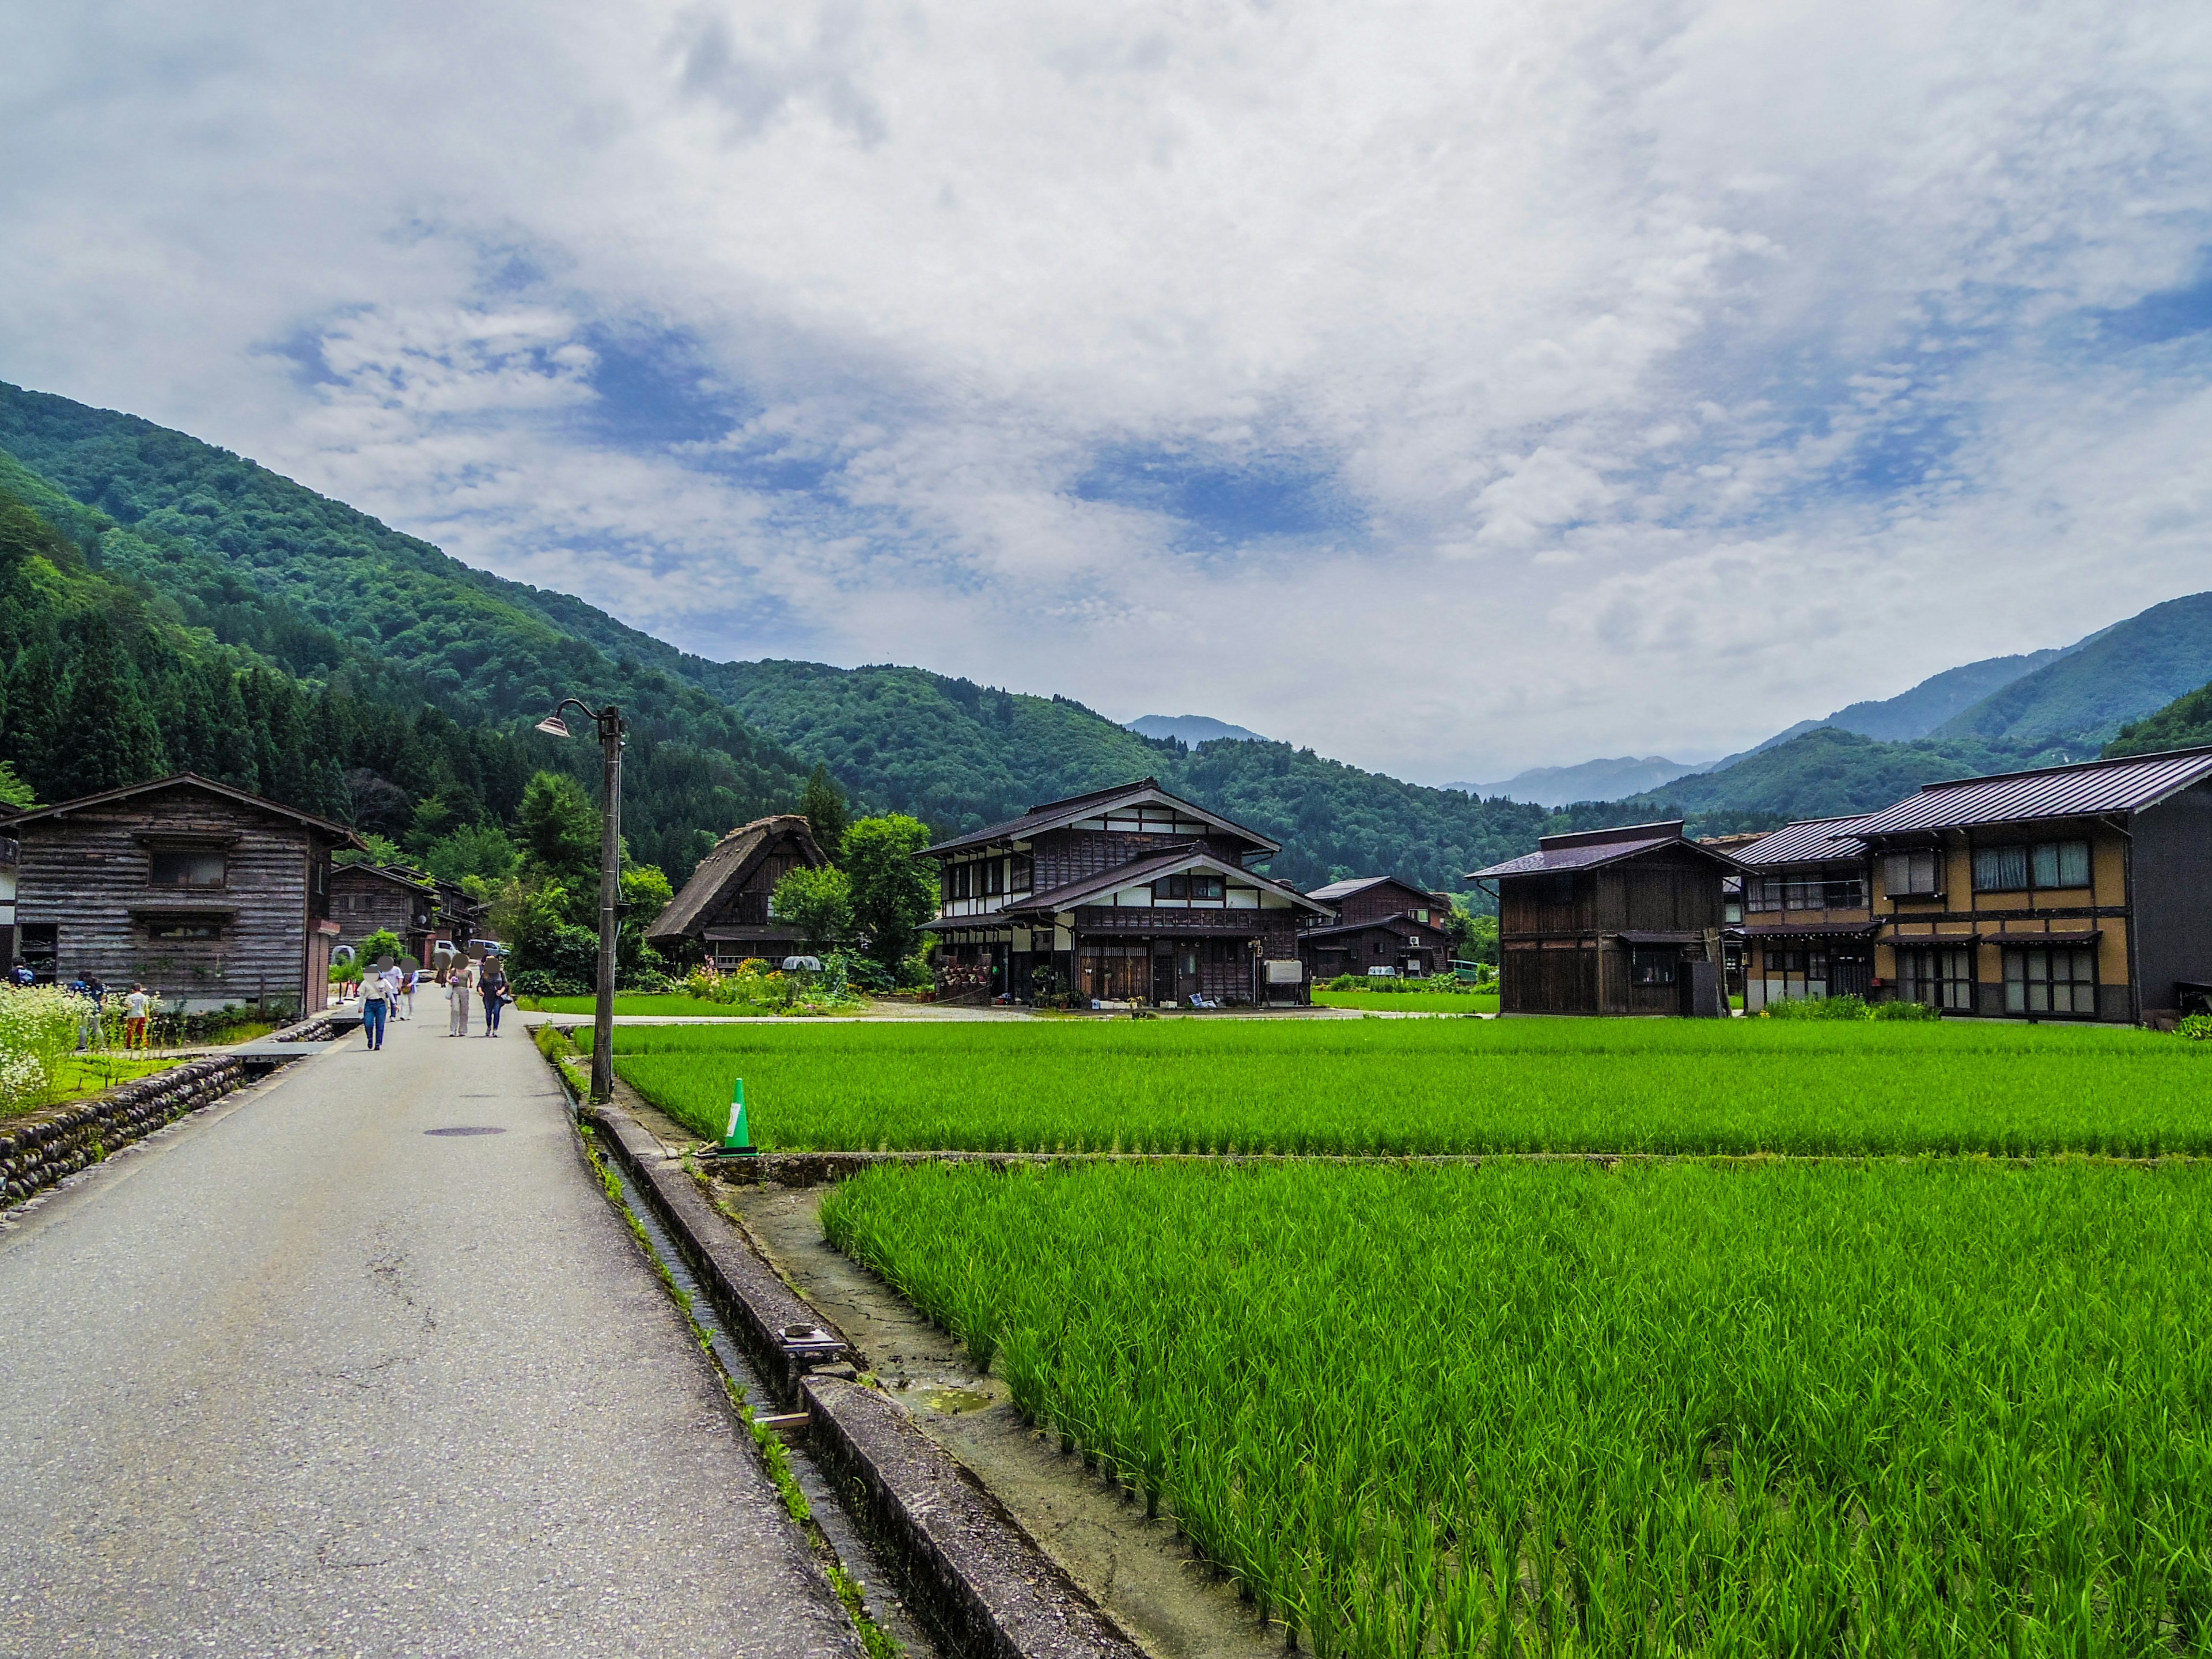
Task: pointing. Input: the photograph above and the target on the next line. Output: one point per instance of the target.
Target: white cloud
(1451, 388)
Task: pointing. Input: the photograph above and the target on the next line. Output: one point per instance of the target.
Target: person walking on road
(460, 985)
(493, 983)
(375, 1004)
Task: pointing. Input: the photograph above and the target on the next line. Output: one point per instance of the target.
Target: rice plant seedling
(1895, 1407)
(1409, 1087)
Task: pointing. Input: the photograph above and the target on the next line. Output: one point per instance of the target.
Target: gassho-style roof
(185, 781)
(1058, 814)
(1588, 849)
(1138, 871)
(728, 861)
(1813, 841)
(2081, 790)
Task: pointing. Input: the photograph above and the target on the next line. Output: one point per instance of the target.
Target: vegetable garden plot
(1394, 1087)
(1888, 1408)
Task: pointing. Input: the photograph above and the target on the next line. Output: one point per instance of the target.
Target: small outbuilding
(1625, 921)
(725, 912)
(1383, 925)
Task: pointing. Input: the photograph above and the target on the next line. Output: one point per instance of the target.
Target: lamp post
(608, 721)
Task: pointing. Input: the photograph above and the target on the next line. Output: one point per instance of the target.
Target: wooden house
(1807, 924)
(2073, 893)
(1625, 921)
(1128, 895)
(723, 915)
(10, 850)
(366, 898)
(1383, 925)
(205, 893)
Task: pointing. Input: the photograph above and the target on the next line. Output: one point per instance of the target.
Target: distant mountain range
(1595, 780)
(1191, 729)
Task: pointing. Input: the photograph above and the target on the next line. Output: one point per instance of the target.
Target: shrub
(2197, 1028)
(542, 983)
(1902, 1011)
(40, 1026)
(1819, 1008)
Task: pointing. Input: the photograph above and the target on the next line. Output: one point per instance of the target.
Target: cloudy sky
(1450, 388)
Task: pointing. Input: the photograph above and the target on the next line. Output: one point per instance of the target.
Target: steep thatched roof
(727, 868)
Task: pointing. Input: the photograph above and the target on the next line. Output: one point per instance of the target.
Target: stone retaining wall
(44, 1146)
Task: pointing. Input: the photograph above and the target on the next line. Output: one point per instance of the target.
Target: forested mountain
(2185, 723)
(2080, 700)
(227, 562)
(180, 556)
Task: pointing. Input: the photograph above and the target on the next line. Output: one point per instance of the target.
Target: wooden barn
(1123, 896)
(1383, 925)
(205, 893)
(723, 915)
(1625, 921)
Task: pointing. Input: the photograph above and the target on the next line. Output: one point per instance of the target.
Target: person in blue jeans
(375, 1004)
(492, 985)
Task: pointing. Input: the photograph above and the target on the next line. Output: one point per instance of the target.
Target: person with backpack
(493, 984)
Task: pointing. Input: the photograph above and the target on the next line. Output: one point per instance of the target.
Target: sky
(1448, 388)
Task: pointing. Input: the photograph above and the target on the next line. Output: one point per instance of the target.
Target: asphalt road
(300, 1377)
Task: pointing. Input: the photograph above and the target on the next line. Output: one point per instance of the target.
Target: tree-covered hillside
(2185, 723)
(2082, 700)
(959, 756)
(239, 557)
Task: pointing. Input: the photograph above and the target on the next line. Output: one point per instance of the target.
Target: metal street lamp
(608, 721)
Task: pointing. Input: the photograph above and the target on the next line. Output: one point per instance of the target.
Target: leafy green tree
(892, 894)
(824, 804)
(381, 943)
(482, 851)
(13, 791)
(560, 837)
(646, 891)
(818, 903)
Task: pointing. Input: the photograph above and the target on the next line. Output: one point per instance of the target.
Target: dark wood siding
(88, 872)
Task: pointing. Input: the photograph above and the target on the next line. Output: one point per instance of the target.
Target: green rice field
(1410, 1002)
(1893, 1407)
(646, 1003)
(1407, 1087)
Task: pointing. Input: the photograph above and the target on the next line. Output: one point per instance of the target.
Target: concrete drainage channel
(852, 1551)
(972, 1582)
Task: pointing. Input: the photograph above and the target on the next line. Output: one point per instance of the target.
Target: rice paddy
(1892, 1407)
(1391, 1088)
(1410, 1002)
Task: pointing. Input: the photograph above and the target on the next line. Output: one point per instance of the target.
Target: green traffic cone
(738, 1142)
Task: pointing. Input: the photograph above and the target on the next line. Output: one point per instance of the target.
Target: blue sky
(1452, 389)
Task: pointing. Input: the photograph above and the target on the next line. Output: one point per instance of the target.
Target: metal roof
(1550, 860)
(1814, 840)
(2082, 790)
(1337, 890)
(1136, 871)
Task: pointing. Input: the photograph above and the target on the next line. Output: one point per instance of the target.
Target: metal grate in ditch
(467, 1129)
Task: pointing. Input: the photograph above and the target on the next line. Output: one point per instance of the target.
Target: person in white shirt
(136, 1017)
(376, 992)
(404, 1008)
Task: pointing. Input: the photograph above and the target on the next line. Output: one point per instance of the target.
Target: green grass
(686, 1007)
(1411, 1002)
(1931, 1406)
(87, 1074)
(1390, 1087)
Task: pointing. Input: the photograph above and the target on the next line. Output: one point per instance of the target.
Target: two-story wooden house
(1383, 925)
(2073, 893)
(1807, 920)
(1625, 921)
(725, 913)
(369, 898)
(205, 893)
(1123, 896)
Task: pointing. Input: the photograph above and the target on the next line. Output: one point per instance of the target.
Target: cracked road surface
(300, 1377)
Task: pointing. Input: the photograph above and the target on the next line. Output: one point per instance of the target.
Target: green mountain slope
(1938, 698)
(1821, 773)
(2185, 723)
(241, 557)
(2130, 671)
(251, 560)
